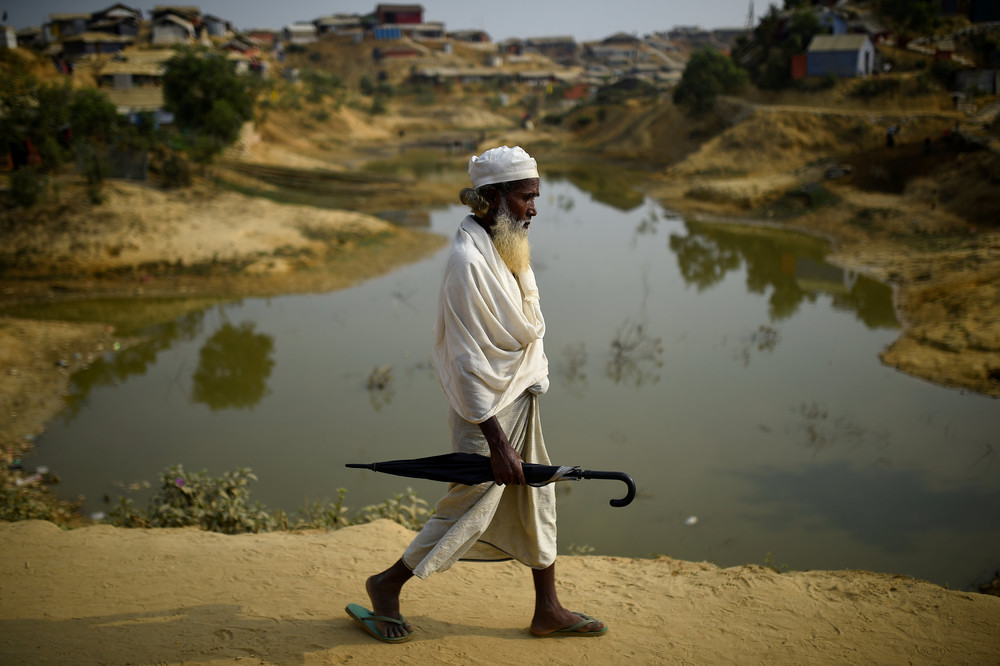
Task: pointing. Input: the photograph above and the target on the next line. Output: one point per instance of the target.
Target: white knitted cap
(501, 165)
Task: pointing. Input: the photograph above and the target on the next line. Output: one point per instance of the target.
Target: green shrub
(874, 87)
(378, 106)
(222, 504)
(27, 497)
(26, 186)
(184, 499)
(176, 170)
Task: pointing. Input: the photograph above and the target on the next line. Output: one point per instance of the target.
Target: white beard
(510, 238)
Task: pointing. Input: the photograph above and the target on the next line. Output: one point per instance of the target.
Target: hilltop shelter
(846, 56)
(399, 14)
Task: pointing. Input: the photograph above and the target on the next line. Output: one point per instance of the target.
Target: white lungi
(487, 522)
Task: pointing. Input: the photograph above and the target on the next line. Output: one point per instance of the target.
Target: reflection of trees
(772, 261)
(821, 430)
(764, 339)
(233, 367)
(379, 386)
(702, 261)
(131, 361)
(871, 302)
(633, 354)
(607, 184)
(573, 366)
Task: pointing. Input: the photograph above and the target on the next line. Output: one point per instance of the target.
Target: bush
(366, 85)
(220, 504)
(27, 497)
(708, 74)
(26, 186)
(378, 106)
(176, 171)
(874, 87)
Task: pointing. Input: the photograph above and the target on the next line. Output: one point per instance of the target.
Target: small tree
(708, 74)
(767, 52)
(207, 97)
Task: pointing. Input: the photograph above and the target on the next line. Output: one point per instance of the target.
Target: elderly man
(489, 359)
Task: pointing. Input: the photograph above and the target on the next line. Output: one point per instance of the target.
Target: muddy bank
(180, 251)
(935, 240)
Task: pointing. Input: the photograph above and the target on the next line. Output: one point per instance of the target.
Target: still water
(730, 371)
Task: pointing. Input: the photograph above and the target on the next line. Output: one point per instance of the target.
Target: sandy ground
(104, 595)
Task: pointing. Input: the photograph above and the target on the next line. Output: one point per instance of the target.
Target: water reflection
(792, 269)
(886, 508)
(606, 183)
(233, 367)
(635, 356)
(133, 361)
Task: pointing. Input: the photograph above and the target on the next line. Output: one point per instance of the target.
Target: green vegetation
(209, 100)
(28, 497)
(708, 74)
(222, 504)
(62, 124)
(46, 127)
(910, 16)
(195, 499)
(766, 54)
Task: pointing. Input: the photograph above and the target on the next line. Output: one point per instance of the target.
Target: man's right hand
(504, 460)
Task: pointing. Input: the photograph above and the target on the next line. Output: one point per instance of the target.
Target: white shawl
(489, 328)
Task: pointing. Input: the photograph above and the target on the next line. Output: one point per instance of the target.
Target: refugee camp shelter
(846, 56)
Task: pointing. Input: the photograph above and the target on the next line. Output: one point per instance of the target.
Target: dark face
(520, 199)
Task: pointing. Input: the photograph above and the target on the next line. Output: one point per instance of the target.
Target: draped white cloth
(489, 328)
(487, 522)
(489, 359)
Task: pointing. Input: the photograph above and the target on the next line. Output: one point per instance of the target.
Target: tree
(767, 53)
(708, 74)
(92, 116)
(207, 97)
(914, 16)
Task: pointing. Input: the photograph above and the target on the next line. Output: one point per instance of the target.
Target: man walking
(491, 365)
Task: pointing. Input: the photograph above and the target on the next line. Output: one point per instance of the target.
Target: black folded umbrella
(471, 468)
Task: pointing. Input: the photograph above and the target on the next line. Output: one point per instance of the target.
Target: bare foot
(384, 595)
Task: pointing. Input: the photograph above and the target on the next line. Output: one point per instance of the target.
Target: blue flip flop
(364, 617)
(574, 629)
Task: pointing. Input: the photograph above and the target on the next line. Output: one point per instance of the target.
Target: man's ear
(493, 197)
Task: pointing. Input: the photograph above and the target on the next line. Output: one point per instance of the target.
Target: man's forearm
(494, 434)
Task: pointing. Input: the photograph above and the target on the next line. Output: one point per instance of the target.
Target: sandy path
(114, 596)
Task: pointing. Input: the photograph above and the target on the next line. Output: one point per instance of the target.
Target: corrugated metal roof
(837, 42)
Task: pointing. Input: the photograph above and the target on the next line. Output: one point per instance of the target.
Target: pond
(730, 370)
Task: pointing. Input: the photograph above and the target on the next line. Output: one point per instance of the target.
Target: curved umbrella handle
(618, 476)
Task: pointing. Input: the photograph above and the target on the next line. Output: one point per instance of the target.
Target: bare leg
(549, 613)
(383, 590)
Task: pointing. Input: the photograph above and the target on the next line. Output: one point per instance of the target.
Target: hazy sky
(585, 20)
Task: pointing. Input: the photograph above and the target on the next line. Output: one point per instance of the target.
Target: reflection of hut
(818, 276)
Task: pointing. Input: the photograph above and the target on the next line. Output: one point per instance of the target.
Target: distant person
(489, 359)
(890, 136)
